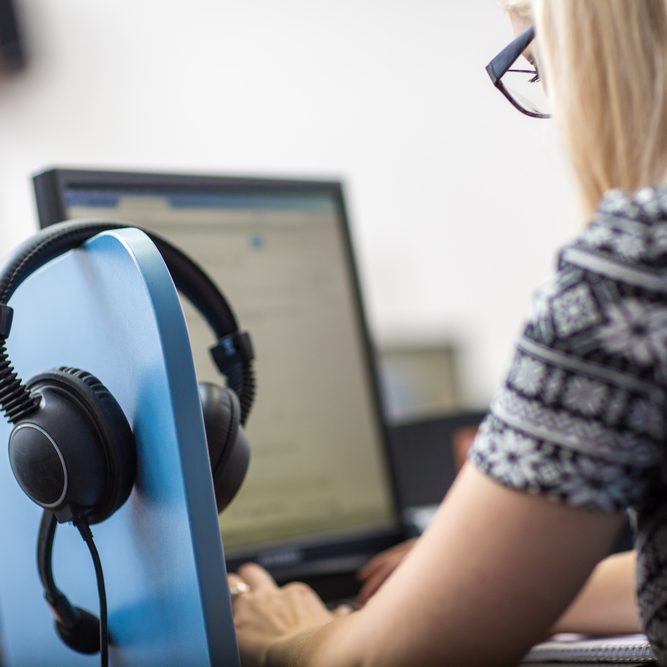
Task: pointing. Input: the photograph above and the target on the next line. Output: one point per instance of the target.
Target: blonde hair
(520, 8)
(605, 66)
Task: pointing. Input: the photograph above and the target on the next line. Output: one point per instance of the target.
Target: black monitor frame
(50, 186)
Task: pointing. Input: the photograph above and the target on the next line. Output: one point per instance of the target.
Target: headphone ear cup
(120, 446)
(76, 454)
(228, 447)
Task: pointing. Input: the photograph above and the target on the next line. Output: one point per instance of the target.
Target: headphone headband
(56, 240)
(232, 354)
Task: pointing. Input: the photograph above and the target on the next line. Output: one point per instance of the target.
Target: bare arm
(484, 583)
(379, 569)
(607, 603)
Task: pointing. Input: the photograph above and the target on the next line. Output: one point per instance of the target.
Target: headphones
(71, 448)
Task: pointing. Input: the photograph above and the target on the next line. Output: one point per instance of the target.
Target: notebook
(320, 497)
(629, 649)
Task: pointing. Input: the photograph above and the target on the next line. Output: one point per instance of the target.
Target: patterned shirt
(581, 417)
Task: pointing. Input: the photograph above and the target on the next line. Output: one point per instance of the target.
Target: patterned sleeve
(581, 414)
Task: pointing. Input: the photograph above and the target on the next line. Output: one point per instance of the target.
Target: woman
(577, 433)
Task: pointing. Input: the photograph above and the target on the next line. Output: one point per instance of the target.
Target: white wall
(457, 201)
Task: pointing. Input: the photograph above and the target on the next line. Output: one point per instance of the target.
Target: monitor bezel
(50, 186)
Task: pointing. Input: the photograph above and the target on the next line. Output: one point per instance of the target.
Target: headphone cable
(87, 535)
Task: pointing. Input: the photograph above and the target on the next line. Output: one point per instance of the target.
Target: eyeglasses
(520, 81)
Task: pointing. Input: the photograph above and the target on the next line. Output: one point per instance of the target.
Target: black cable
(78, 628)
(47, 534)
(87, 535)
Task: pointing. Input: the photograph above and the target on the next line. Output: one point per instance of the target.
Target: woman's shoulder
(608, 298)
(581, 414)
(629, 230)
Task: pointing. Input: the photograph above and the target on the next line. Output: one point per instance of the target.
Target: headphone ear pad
(76, 454)
(84, 637)
(228, 447)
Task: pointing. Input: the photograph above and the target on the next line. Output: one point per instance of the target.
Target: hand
(268, 617)
(378, 569)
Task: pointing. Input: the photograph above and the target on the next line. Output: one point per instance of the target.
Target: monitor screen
(281, 254)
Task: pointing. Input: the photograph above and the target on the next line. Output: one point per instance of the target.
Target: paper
(580, 648)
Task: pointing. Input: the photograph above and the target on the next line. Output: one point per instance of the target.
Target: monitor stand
(111, 308)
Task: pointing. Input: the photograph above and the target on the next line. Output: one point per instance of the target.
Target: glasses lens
(526, 88)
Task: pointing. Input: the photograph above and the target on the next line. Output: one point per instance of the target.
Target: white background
(458, 203)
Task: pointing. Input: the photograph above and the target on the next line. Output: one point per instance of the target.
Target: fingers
(381, 567)
(266, 616)
(234, 580)
(394, 555)
(368, 569)
(256, 577)
(374, 582)
(250, 578)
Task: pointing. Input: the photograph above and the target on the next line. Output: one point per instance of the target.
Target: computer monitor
(281, 252)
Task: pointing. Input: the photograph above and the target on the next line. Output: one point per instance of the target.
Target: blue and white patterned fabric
(581, 417)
